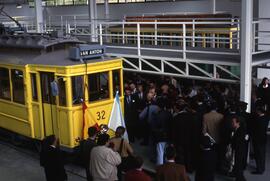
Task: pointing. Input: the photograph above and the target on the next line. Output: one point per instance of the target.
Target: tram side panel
(36, 103)
(14, 114)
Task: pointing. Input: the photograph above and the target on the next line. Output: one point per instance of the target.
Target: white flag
(116, 118)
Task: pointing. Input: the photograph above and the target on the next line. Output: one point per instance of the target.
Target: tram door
(48, 104)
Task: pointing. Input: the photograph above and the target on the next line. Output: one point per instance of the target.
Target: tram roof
(40, 49)
(54, 58)
(35, 41)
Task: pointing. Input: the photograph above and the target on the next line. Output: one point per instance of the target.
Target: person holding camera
(104, 160)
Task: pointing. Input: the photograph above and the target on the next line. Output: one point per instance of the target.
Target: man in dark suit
(245, 118)
(131, 115)
(141, 98)
(51, 159)
(183, 130)
(239, 141)
(86, 148)
(171, 171)
(260, 139)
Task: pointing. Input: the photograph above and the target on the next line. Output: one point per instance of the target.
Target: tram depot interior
(224, 41)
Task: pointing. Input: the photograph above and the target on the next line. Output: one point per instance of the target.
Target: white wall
(264, 12)
(24, 11)
(118, 11)
(231, 6)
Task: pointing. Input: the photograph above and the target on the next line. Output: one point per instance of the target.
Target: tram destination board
(84, 52)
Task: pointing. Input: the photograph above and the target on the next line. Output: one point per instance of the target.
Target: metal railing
(181, 37)
(178, 45)
(79, 25)
(261, 36)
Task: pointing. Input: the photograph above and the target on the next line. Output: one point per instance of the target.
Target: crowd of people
(200, 128)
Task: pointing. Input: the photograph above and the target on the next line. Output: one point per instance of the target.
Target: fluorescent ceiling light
(19, 6)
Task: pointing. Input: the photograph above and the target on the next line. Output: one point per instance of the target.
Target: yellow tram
(44, 81)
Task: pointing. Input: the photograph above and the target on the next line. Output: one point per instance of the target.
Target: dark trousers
(239, 166)
(131, 128)
(207, 166)
(88, 175)
(239, 176)
(145, 128)
(259, 151)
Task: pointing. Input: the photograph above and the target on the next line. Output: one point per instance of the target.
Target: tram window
(77, 89)
(4, 84)
(62, 91)
(18, 86)
(34, 87)
(98, 86)
(116, 82)
(46, 79)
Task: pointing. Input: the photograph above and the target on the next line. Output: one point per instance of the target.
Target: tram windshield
(77, 89)
(4, 84)
(98, 86)
(116, 82)
(18, 86)
(62, 91)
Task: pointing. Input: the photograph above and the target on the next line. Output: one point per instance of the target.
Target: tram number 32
(100, 115)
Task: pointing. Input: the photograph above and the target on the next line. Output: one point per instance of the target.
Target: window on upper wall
(77, 89)
(34, 87)
(18, 86)
(98, 86)
(62, 91)
(116, 82)
(4, 84)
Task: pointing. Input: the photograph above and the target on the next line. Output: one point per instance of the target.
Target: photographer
(104, 160)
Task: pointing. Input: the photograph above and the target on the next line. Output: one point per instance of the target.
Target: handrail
(171, 23)
(190, 32)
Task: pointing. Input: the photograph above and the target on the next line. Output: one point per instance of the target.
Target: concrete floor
(251, 166)
(19, 164)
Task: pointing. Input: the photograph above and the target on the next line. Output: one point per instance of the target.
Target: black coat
(140, 99)
(239, 142)
(260, 126)
(86, 148)
(264, 94)
(130, 108)
(52, 161)
(185, 135)
(161, 126)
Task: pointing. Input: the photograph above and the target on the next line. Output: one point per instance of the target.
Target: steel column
(39, 16)
(246, 51)
(92, 10)
(214, 6)
(106, 6)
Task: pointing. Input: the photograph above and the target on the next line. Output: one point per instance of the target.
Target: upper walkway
(197, 48)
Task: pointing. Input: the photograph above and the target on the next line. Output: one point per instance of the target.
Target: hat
(242, 103)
